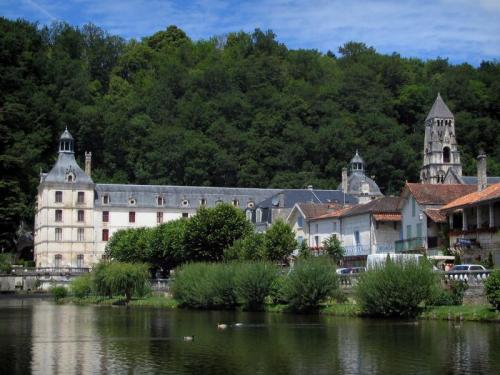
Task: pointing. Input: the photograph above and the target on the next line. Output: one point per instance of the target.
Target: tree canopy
(235, 110)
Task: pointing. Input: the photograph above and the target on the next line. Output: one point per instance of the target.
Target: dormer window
(70, 177)
(236, 203)
(159, 201)
(184, 203)
(132, 201)
(259, 215)
(105, 199)
(250, 204)
(203, 202)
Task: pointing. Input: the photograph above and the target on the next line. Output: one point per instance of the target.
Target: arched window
(446, 155)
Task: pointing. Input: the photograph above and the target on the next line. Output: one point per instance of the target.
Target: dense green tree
(333, 248)
(279, 242)
(236, 110)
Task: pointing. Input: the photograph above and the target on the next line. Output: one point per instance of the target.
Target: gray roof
(287, 198)
(380, 205)
(145, 196)
(66, 135)
(439, 109)
(66, 163)
(356, 158)
(355, 181)
(472, 180)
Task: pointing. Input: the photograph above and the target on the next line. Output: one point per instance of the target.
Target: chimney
(88, 163)
(309, 187)
(482, 181)
(344, 180)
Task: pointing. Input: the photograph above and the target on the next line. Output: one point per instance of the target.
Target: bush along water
(254, 282)
(311, 282)
(396, 289)
(492, 287)
(58, 292)
(451, 294)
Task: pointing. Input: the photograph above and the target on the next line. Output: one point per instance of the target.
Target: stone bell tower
(440, 144)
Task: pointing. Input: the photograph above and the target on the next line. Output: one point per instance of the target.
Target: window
(316, 227)
(81, 234)
(105, 216)
(185, 203)
(300, 221)
(81, 197)
(334, 226)
(236, 203)
(413, 207)
(131, 201)
(159, 217)
(249, 215)
(69, 177)
(185, 214)
(131, 217)
(203, 202)
(446, 155)
(105, 199)
(408, 232)
(159, 201)
(259, 215)
(58, 234)
(58, 196)
(57, 260)
(300, 240)
(357, 239)
(105, 234)
(250, 204)
(79, 261)
(419, 230)
(58, 215)
(81, 215)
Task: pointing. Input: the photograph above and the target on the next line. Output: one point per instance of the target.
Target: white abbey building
(75, 217)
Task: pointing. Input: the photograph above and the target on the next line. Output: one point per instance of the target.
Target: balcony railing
(356, 250)
(410, 244)
(384, 248)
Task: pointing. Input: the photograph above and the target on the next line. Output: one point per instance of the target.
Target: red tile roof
(490, 193)
(435, 215)
(387, 217)
(316, 209)
(379, 205)
(438, 194)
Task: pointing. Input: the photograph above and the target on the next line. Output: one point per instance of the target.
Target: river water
(37, 336)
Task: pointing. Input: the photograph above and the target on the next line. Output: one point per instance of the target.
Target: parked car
(343, 271)
(349, 270)
(468, 267)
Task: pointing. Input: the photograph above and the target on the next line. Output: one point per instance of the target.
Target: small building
(474, 221)
(300, 220)
(281, 204)
(422, 220)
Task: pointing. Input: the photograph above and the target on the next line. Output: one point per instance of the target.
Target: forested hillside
(237, 110)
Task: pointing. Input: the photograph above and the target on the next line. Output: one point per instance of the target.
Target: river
(40, 337)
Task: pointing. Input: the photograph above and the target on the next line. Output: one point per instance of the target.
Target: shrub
(492, 288)
(279, 241)
(396, 289)
(253, 283)
(82, 286)
(5, 262)
(101, 286)
(452, 295)
(58, 292)
(334, 248)
(276, 293)
(127, 279)
(310, 283)
(205, 285)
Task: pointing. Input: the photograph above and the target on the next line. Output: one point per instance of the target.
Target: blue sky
(461, 30)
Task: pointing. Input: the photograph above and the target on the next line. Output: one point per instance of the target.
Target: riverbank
(477, 313)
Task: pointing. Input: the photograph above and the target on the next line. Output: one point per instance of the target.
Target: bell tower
(440, 144)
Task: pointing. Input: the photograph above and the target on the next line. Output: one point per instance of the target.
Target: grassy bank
(481, 313)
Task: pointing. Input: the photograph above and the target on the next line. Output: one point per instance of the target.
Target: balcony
(417, 243)
(385, 248)
(357, 250)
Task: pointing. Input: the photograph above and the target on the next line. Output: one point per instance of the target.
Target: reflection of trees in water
(15, 336)
(74, 339)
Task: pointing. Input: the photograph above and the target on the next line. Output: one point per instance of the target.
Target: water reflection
(40, 337)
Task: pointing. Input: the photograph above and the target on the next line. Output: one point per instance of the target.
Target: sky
(460, 30)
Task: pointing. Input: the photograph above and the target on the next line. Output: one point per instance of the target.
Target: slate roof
(66, 163)
(288, 197)
(145, 196)
(437, 194)
(357, 159)
(472, 180)
(355, 181)
(439, 109)
(490, 193)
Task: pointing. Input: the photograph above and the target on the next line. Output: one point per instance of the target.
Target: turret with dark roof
(439, 110)
(66, 169)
